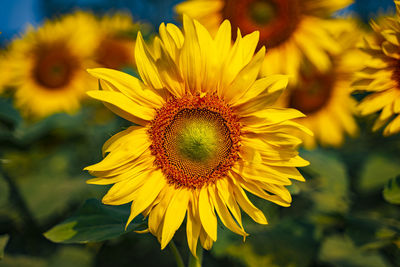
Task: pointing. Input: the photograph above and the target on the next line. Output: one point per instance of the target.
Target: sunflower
(116, 46)
(381, 74)
(5, 72)
(205, 132)
(325, 96)
(49, 64)
(290, 29)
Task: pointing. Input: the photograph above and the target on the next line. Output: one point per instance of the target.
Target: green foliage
(22, 260)
(8, 115)
(93, 222)
(3, 243)
(378, 169)
(51, 175)
(264, 248)
(328, 187)
(340, 251)
(71, 256)
(391, 192)
(4, 192)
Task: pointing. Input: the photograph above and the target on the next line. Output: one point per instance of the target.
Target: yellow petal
(124, 192)
(129, 86)
(116, 137)
(257, 190)
(193, 227)
(156, 216)
(146, 65)
(176, 34)
(393, 127)
(226, 194)
(271, 116)
(169, 42)
(247, 206)
(239, 56)
(223, 212)
(191, 63)
(174, 215)
(205, 240)
(147, 193)
(223, 40)
(263, 93)
(245, 78)
(134, 146)
(207, 214)
(170, 74)
(122, 103)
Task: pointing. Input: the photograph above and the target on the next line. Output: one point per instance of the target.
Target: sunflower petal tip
(91, 93)
(145, 231)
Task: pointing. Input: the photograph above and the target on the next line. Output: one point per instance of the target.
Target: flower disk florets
(195, 140)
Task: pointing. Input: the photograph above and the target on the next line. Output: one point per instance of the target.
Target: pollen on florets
(195, 140)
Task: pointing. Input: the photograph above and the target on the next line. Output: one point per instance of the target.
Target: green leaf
(3, 243)
(378, 170)
(391, 192)
(339, 250)
(67, 256)
(329, 188)
(22, 260)
(93, 222)
(286, 243)
(8, 114)
(4, 192)
(41, 177)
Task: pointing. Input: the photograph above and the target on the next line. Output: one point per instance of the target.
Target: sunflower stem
(177, 255)
(19, 201)
(196, 261)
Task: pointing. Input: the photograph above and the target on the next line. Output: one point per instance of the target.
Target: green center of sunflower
(197, 141)
(262, 12)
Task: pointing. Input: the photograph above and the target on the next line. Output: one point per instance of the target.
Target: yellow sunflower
(116, 45)
(49, 64)
(205, 133)
(325, 96)
(5, 72)
(290, 29)
(381, 74)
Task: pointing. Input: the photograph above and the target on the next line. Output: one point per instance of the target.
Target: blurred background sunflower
(117, 34)
(325, 96)
(292, 31)
(48, 65)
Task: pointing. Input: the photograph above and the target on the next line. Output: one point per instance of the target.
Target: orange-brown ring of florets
(396, 73)
(165, 117)
(272, 34)
(315, 93)
(54, 66)
(115, 53)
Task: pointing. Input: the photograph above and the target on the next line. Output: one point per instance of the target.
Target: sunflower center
(276, 20)
(315, 93)
(195, 140)
(114, 54)
(262, 12)
(54, 66)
